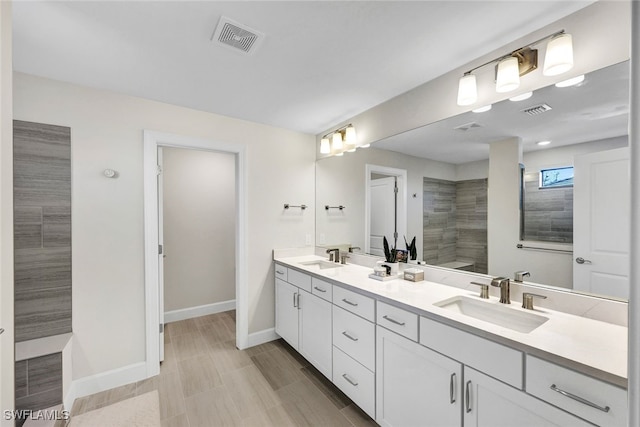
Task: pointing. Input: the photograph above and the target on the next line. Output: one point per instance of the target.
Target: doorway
(385, 207)
(155, 143)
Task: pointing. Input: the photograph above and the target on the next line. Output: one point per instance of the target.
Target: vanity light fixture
(512, 66)
(543, 142)
(571, 82)
(521, 97)
(339, 141)
(483, 109)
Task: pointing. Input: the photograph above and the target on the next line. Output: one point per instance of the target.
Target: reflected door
(383, 213)
(601, 223)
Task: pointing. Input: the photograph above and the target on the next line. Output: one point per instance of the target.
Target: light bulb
(571, 82)
(336, 141)
(350, 135)
(559, 56)
(508, 75)
(325, 146)
(467, 90)
(521, 97)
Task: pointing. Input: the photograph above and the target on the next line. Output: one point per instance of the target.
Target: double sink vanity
(428, 353)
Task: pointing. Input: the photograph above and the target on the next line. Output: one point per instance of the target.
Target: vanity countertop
(589, 346)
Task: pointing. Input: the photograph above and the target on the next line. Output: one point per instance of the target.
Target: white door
(491, 403)
(602, 218)
(415, 386)
(383, 213)
(287, 297)
(161, 254)
(315, 331)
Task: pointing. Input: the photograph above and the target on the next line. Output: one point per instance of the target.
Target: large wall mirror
(574, 209)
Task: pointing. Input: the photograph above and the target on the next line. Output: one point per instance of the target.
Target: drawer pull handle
(279, 272)
(393, 320)
(354, 304)
(319, 289)
(349, 380)
(349, 336)
(467, 396)
(579, 399)
(452, 387)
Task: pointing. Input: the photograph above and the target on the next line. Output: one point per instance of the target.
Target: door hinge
(160, 249)
(395, 189)
(158, 170)
(161, 327)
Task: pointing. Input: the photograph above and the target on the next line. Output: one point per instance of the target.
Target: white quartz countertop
(590, 346)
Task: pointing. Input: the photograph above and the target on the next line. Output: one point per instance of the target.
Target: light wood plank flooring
(206, 382)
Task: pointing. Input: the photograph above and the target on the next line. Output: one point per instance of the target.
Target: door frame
(153, 140)
(401, 174)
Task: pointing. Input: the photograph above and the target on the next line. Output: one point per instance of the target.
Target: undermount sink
(323, 265)
(519, 321)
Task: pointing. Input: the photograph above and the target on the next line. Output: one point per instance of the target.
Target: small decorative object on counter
(411, 248)
(413, 274)
(390, 254)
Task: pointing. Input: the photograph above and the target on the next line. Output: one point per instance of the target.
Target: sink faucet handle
(520, 275)
(343, 258)
(527, 299)
(484, 289)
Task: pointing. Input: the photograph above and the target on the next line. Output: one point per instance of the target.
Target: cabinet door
(315, 331)
(491, 403)
(287, 312)
(415, 386)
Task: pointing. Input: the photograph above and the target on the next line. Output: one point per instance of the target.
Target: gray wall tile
(21, 379)
(42, 224)
(44, 373)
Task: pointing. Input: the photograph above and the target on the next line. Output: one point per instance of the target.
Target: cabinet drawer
(355, 336)
(321, 288)
(351, 301)
(355, 381)
(301, 280)
(281, 272)
(577, 393)
(493, 359)
(398, 320)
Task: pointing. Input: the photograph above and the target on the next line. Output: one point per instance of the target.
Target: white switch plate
(307, 239)
(322, 239)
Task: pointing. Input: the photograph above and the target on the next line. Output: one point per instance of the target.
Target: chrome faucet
(334, 254)
(503, 284)
(520, 275)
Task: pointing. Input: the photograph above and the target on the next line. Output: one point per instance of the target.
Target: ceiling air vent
(468, 126)
(237, 36)
(536, 109)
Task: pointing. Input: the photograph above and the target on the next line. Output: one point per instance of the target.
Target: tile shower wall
(548, 213)
(42, 229)
(455, 222)
(38, 382)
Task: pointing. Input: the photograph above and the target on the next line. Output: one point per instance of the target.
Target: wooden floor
(206, 382)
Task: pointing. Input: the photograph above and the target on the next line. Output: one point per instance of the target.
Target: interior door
(383, 213)
(161, 254)
(602, 223)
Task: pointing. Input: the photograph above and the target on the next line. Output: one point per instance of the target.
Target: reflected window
(556, 177)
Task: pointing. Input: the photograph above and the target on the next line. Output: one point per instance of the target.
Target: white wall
(199, 227)
(6, 214)
(108, 265)
(341, 181)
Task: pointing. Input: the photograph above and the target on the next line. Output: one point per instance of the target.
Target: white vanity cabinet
(415, 386)
(304, 319)
(491, 403)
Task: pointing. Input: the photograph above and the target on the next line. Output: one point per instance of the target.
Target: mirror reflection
(447, 199)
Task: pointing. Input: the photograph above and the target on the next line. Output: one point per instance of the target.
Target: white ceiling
(320, 63)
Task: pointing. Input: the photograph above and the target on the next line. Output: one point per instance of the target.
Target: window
(556, 177)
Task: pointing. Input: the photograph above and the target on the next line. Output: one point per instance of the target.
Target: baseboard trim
(262, 337)
(201, 310)
(104, 381)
